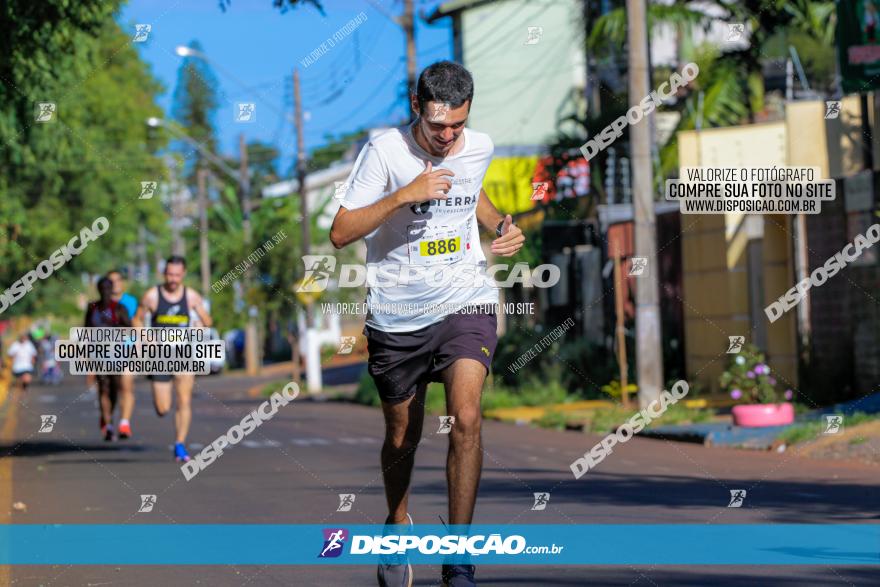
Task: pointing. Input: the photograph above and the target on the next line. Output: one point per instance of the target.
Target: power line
(382, 85)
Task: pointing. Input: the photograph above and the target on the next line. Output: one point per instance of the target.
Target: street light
(184, 51)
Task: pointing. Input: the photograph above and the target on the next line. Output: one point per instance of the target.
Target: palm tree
(731, 80)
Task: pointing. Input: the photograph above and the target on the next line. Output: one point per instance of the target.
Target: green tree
(57, 177)
(195, 103)
(731, 80)
(283, 5)
(334, 149)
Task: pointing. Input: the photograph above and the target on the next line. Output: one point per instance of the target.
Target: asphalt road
(292, 468)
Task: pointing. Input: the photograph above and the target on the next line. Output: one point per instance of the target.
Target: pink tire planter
(756, 415)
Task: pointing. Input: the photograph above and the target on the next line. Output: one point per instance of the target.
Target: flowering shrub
(748, 377)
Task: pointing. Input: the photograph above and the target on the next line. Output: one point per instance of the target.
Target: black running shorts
(401, 361)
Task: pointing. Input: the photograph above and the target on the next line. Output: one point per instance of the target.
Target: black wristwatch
(498, 228)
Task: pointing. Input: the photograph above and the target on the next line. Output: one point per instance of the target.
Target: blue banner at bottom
(569, 544)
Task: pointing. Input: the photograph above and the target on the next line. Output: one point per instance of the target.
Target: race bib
(437, 245)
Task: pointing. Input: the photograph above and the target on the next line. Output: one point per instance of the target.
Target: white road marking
(359, 440)
(309, 441)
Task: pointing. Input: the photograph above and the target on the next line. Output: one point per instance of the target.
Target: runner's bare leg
(464, 462)
(183, 384)
(105, 400)
(403, 430)
(126, 395)
(161, 397)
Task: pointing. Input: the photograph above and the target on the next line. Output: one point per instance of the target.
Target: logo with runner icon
(148, 189)
(446, 423)
(735, 344)
(541, 501)
(833, 423)
(319, 268)
(47, 423)
(346, 345)
(147, 503)
(334, 542)
(141, 32)
(346, 501)
(737, 498)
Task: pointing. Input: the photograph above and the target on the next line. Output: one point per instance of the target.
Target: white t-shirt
(445, 237)
(22, 355)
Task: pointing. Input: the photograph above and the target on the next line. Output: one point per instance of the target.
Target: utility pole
(205, 255)
(407, 23)
(251, 347)
(177, 247)
(649, 367)
(620, 330)
(301, 180)
(143, 273)
(313, 356)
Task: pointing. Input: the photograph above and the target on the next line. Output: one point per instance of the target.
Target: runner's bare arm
(352, 225)
(147, 304)
(511, 239)
(196, 303)
(487, 214)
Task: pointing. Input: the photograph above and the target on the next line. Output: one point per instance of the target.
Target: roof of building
(448, 8)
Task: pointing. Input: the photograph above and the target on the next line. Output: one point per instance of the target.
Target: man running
(415, 218)
(50, 372)
(106, 313)
(24, 357)
(169, 305)
(126, 380)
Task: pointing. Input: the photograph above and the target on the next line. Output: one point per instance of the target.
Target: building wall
(839, 322)
(717, 282)
(523, 91)
(844, 351)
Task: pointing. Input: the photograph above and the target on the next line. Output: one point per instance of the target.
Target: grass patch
(495, 397)
(532, 394)
(273, 386)
(810, 430)
(605, 420)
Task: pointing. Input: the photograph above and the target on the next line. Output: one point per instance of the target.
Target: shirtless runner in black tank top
(169, 305)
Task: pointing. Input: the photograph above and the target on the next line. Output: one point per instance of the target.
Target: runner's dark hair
(447, 82)
(104, 282)
(176, 260)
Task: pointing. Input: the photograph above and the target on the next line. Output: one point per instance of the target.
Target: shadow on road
(42, 449)
(778, 501)
(699, 577)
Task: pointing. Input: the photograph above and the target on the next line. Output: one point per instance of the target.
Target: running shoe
(124, 430)
(107, 432)
(399, 572)
(180, 454)
(458, 576)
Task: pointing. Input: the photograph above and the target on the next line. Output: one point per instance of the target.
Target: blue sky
(257, 45)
